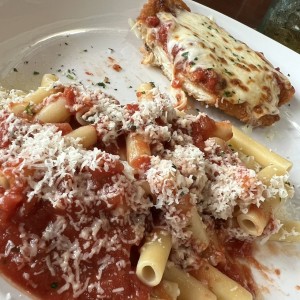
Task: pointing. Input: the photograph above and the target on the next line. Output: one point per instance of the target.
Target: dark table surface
(249, 12)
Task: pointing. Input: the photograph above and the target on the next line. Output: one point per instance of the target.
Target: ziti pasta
(100, 200)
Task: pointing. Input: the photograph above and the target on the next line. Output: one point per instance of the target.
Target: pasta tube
(264, 156)
(221, 285)
(165, 290)
(198, 228)
(54, 112)
(289, 232)
(87, 135)
(254, 221)
(4, 183)
(138, 150)
(153, 258)
(190, 288)
(37, 96)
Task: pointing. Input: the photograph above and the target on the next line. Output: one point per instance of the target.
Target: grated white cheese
(96, 216)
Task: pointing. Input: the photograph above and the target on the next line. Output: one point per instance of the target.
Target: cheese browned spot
(209, 64)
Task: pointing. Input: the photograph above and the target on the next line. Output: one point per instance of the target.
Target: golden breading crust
(152, 7)
(238, 80)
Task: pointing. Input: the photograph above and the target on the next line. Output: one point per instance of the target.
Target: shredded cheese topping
(96, 205)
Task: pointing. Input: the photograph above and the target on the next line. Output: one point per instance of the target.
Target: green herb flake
(185, 55)
(36, 73)
(29, 109)
(70, 76)
(152, 84)
(222, 153)
(102, 84)
(227, 94)
(15, 70)
(227, 72)
(54, 285)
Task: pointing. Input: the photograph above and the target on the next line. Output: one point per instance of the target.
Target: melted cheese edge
(203, 44)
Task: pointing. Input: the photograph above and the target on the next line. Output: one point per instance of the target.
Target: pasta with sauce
(126, 202)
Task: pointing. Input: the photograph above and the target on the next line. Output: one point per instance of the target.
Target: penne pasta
(79, 118)
(4, 183)
(166, 290)
(190, 288)
(221, 285)
(138, 150)
(48, 80)
(153, 258)
(36, 97)
(271, 204)
(86, 134)
(198, 228)
(254, 221)
(288, 232)
(222, 130)
(54, 112)
(264, 156)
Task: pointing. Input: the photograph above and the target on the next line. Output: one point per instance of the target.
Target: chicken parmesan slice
(206, 62)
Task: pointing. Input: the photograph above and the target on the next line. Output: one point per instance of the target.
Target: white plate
(47, 36)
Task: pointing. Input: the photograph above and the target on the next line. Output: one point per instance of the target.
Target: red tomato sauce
(36, 278)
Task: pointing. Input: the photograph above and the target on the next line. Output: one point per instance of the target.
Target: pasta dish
(100, 200)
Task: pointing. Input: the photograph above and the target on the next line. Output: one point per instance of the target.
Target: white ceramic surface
(79, 36)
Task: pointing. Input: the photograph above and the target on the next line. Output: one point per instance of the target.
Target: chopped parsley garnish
(185, 54)
(222, 153)
(70, 76)
(227, 94)
(85, 50)
(54, 285)
(101, 84)
(174, 167)
(29, 109)
(36, 73)
(227, 72)
(15, 70)
(152, 84)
